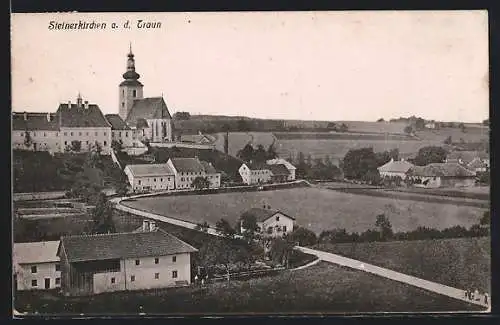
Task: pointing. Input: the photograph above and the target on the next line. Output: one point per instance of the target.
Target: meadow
(460, 262)
(322, 288)
(314, 208)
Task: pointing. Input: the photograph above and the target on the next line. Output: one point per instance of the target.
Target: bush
(304, 237)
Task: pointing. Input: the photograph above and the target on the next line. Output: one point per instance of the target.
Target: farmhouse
(271, 223)
(36, 265)
(395, 168)
(150, 177)
(466, 157)
(186, 170)
(291, 168)
(255, 173)
(441, 175)
(92, 264)
(478, 165)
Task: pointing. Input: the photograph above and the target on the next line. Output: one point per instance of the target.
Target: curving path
(393, 275)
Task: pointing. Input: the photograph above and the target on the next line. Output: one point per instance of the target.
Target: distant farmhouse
(271, 223)
(395, 168)
(139, 119)
(36, 266)
(186, 170)
(275, 170)
(476, 161)
(148, 259)
(441, 175)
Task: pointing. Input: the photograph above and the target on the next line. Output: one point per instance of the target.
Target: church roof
(116, 122)
(148, 108)
(131, 83)
(34, 121)
(74, 116)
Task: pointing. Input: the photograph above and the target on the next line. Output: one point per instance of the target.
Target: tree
(182, 116)
(200, 183)
(461, 126)
(448, 140)
(486, 219)
(430, 154)
(224, 229)
(250, 227)
(28, 141)
(76, 146)
(408, 129)
(117, 145)
(343, 128)
(384, 227)
(103, 216)
(271, 152)
(218, 252)
(260, 154)
(304, 237)
(242, 125)
(357, 163)
(247, 153)
(280, 250)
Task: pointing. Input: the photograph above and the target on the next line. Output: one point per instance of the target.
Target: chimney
(79, 101)
(69, 104)
(25, 116)
(152, 226)
(145, 225)
(86, 104)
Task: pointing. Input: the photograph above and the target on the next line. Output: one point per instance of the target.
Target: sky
(358, 66)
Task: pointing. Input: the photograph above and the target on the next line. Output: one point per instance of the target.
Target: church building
(148, 117)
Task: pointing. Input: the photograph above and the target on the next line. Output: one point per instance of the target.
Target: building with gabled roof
(149, 116)
(150, 177)
(291, 168)
(255, 173)
(478, 165)
(270, 222)
(186, 170)
(120, 131)
(36, 265)
(441, 175)
(395, 168)
(148, 259)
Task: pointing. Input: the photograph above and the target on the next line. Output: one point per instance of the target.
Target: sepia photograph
(250, 163)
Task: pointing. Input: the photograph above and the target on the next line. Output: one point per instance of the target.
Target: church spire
(131, 74)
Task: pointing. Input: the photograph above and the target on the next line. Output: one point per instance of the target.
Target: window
(126, 134)
(65, 143)
(86, 133)
(123, 92)
(132, 278)
(174, 274)
(104, 133)
(157, 260)
(87, 141)
(139, 182)
(134, 93)
(58, 267)
(58, 281)
(44, 134)
(120, 133)
(113, 280)
(174, 259)
(105, 143)
(57, 134)
(71, 133)
(284, 228)
(80, 133)
(137, 262)
(161, 179)
(157, 275)
(34, 133)
(270, 230)
(154, 179)
(33, 269)
(277, 218)
(123, 104)
(34, 283)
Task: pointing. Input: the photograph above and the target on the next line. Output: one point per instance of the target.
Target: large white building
(395, 168)
(148, 259)
(150, 177)
(36, 265)
(255, 173)
(186, 170)
(271, 223)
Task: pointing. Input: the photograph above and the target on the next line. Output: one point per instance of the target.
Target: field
(375, 127)
(461, 262)
(471, 134)
(314, 208)
(322, 288)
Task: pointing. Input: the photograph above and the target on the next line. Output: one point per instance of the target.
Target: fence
(247, 274)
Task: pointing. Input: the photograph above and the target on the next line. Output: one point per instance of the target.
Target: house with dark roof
(36, 265)
(441, 175)
(92, 264)
(291, 168)
(270, 222)
(395, 168)
(148, 116)
(120, 131)
(150, 177)
(186, 170)
(75, 126)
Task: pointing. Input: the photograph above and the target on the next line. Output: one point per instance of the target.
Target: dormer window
(134, 93)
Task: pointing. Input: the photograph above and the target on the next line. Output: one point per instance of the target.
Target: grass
(322, 288)
(339, 136)
(461, 262)
(314, 208)
(50, 228)
(471, 134)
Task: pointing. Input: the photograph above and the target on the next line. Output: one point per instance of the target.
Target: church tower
(130, 88)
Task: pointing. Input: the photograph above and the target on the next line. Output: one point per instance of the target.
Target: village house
(150, 177)
(478, 165)
(36, 266)
(82, 122)
(271, 223)
(255, 173)
(120, 131)
(466, 157)
(395, 168)
(279, 173)
(92, 264)
(186, 170)
(197, 138)
(441, 175)
(291, 168)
